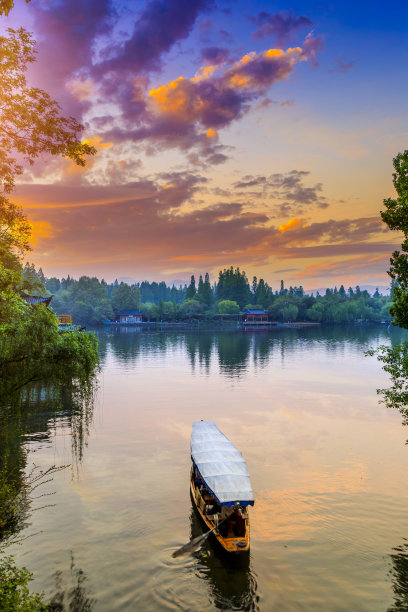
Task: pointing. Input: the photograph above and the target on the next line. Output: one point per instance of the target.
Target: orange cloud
(40, 229)
(97, 141)
(291, 224)
(197, 99)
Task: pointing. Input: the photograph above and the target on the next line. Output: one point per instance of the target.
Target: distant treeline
(92, 301)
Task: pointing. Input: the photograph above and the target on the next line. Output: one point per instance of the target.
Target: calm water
(328, 466)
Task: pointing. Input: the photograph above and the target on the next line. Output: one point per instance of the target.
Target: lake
(328, 465)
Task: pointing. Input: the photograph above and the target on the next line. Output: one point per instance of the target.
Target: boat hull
(234, 544)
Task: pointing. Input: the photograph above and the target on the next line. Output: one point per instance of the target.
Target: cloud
(356, 268)
(214, 55)
(342, 65)
(291, 225)
(165, 222)
(84, 54)
(212, 100)
(286, 191)
(143, 226)
(97, 59)
(158, 27)
(280, 25)
(184, 112)
(65, 38)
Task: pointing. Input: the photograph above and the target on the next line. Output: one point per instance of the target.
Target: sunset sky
(258, 134)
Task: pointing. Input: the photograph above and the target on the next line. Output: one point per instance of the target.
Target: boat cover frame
(220, 465)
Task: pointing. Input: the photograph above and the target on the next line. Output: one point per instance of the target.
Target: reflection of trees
(33, 415)
(199, 347)
(233, 352)
(130, 343)
(236, 348)
(232, 585)
(399, 575)
(74, 598)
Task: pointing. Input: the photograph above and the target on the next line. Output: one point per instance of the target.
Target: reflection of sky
(208, 145)
(327, 466)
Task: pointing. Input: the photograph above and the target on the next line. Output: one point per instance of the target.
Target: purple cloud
(341, 65)
(280, 25)
(159, 26)
(214, 55)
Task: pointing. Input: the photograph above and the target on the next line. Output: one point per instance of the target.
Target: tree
(228, 307)
(7, 5)
(191, 289)
(125, 297)
(204, 292)
(15, 232)
(290, 312)
(395, 216)
(30, 120)
(192, 309)
(263, 293)
(14, 593)
(87, 300)
(233, 285)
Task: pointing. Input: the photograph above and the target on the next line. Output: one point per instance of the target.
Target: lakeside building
(255, 316)
(36, 299)
(130, 316)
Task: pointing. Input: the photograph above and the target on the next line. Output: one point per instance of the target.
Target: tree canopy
(395, 216)
(30, 120)
(7, 5)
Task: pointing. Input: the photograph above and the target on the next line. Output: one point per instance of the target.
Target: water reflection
(75, 597)
(234, 351)
(31, 421)
(399, 576)
(231, 583)
(328, 467)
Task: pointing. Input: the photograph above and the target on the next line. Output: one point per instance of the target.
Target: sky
(258, 135)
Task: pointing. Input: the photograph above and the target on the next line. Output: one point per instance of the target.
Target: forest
(92, 301)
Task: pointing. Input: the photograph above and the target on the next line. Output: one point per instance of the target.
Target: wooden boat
(220, 486)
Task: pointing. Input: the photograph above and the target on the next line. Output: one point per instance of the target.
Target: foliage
(30, 120)
(91, 301)
(204, 291)
(192, 309)
(14, 233)
(395, 360)
(31, 347)
(233, 285)
(86, 299)
(228, 307)
(125, 297)
(191, 289)
(154, 292)
(7, 5)
(14, 593)
(150, 311)
(396, 217)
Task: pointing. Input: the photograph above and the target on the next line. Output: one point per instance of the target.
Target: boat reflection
(231, 583)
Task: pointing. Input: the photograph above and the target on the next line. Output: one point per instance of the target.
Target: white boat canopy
(220, 465)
